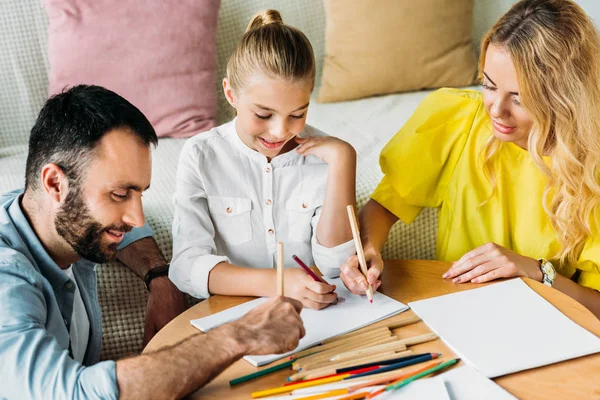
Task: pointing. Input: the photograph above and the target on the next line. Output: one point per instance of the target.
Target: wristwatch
(548, 272)
(155, 273)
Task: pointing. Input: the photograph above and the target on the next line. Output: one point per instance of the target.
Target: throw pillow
(388, 46)
(159, 55)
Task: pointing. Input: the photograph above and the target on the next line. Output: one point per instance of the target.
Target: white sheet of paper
(427, 388)
(505, 327)
(466, 383)
(352, 313)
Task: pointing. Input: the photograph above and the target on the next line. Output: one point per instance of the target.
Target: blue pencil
(416, 360)
(385, 362)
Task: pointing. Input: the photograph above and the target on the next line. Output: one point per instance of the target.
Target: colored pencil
(351, 372)
(359, 249)
(386, 362)
(402, 364)
(327, 369)
(422, 374)
(260, 373)
(280, 282)
(391, 325)
(289, 388)
(391, 378)
(355, 396)
(325, 395)
(308, 270)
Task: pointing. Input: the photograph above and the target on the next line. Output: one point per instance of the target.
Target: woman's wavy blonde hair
(556, 52)
(273, 48)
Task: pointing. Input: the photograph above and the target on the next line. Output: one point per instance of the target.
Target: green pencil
(260, 373)
(422, 374)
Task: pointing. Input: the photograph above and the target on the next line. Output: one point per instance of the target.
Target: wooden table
(408, 281)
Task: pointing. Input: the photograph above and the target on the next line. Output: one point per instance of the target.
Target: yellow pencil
(325, 395)
(280, 283)
(359, 249)
(289, 388)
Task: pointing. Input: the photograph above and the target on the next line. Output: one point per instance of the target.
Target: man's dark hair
(70, 126)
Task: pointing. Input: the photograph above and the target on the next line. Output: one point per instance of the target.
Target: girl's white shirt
(232, 205)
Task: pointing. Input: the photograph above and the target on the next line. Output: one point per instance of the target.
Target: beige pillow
(386, 46)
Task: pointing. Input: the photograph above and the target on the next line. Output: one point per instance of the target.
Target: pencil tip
(371, 301)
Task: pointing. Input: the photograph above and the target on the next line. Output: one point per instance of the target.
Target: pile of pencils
(360, 364)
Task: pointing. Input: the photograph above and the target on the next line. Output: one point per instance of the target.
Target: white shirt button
(268, 202)
(271, 231)
(267, 170)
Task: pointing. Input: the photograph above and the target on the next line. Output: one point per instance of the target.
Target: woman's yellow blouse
(435, 161)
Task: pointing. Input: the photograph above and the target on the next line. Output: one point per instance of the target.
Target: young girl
(514, 171)
(263, 178)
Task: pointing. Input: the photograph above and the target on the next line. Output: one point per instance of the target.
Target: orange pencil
(391, 378)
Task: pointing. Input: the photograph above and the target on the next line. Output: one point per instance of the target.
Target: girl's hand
(327, 148)
(312, 294)
(492, 261)
(354, 279)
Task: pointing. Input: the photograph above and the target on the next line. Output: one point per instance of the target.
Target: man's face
(108, 203)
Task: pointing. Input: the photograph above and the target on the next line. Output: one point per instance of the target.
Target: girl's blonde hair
(556, 52)
(273, 48)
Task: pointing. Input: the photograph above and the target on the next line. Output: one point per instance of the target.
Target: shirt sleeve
(589, 264)
(135, 234)
(34, 365)
(329, 259)
(420, 159)
(194, 248)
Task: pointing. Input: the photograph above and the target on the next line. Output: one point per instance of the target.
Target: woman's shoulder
(453, 102)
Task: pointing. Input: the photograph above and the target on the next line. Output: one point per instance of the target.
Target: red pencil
(308, 270)
(354, 372)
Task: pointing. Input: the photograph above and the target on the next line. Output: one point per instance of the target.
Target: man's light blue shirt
(36, 304)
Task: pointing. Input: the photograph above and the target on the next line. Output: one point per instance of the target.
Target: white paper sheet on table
(427, 388)
(466, 383)
(505, 327)
(352, 313)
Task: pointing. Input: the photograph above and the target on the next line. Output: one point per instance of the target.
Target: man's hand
(165, 302)
(273, 327)
(354, 279)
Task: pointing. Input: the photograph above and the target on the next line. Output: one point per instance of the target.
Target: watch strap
(155, 273)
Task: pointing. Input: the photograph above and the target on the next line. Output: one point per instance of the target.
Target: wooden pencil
(326, 356)
(391, 325)
(330, 370)
(359, 249)
(387, 346)
(280, 281)
(342, 341)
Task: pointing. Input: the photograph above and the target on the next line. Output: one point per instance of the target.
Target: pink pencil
(308, 270)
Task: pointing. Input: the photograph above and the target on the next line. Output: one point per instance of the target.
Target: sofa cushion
(395, 46)
(160, 57)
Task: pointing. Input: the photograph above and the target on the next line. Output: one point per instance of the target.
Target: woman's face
(510, 122)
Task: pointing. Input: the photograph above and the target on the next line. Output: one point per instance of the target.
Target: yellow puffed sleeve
(588, 264)
(420, 159)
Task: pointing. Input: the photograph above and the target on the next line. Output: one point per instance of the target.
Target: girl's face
(510, 122)
(271, 112)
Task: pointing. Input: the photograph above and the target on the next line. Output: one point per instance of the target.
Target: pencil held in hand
(309, 271)
(359, 249)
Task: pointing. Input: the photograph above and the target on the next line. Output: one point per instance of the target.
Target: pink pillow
(159, 55)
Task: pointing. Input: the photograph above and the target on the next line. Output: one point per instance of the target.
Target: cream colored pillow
(385, 46)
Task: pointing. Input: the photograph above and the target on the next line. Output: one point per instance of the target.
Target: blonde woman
(263, 178)
(514, 170)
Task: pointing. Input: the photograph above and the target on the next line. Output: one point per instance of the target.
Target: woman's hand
(329, 149)
(492, 261)
(354, 279)
(312, 294)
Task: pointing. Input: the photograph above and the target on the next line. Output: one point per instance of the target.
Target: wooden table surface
(408, 281)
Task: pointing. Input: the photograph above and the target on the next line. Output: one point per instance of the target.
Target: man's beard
(75, 224)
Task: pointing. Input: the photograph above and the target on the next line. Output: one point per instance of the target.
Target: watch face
(548, 269)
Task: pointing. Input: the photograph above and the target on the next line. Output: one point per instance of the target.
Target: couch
(367, 124)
